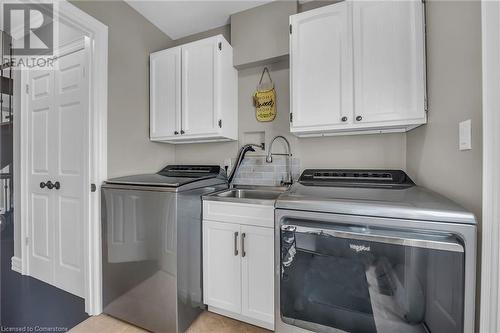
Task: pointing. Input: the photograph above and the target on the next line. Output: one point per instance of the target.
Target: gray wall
(225, 30)
(454, 93)
(131, 39)
(359, 151)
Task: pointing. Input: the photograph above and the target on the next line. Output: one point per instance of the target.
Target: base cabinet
(238, 265)
(257, 278)
(221, 266)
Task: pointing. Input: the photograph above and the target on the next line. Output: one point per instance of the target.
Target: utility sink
(258, 194)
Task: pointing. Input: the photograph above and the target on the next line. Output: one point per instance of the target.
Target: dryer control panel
(356, 178)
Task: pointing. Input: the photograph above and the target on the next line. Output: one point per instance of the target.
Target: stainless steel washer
(369, 251)
(151, 246)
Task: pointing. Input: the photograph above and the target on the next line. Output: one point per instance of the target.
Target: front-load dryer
(367, 251)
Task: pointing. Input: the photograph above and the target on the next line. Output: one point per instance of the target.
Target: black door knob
(359, 118)
(182, 132)
(49, 185)
(344, 119)
(42, 185)
(57, 185)
(176, 132)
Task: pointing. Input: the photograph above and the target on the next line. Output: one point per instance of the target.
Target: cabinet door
(388, 60)
(165, 90)
(221, 265)
(199, 83)
(321, 68)
(257, 252)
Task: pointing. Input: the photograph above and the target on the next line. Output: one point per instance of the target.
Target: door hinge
(27, 88)
(93, 188)
(291, 117)
(290, 29)
(220, 123)
(220, 46)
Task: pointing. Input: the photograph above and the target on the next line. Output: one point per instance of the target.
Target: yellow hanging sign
(264, 100)
(265, 105)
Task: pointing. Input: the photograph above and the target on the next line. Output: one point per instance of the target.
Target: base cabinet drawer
(238, 266)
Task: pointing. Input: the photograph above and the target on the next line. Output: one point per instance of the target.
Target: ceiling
(179, 19)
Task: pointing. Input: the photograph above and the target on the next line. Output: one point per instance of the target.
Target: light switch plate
(465, 135)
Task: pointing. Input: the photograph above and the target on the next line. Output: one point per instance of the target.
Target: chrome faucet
(241, 155)
(269, 158)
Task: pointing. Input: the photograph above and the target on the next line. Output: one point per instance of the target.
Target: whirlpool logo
(359, 248)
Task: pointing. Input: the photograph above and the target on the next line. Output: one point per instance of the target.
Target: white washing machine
(369, 251)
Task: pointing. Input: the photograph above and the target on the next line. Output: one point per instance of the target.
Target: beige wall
(131, 39)
(454, 93)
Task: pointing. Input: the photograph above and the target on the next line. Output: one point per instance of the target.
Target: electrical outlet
(227, 164)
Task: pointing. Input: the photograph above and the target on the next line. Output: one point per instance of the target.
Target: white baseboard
(17, 265)
(256, 322)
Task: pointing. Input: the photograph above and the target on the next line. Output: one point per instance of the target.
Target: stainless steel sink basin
(266, 195)
(250, 194)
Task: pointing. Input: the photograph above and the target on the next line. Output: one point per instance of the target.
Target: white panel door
(388, 60)
(222, 266)
(257, 252)
(165, 90)
(321, 68)
(41, 168)
(200, 63)
(72, 169)
(58, 114)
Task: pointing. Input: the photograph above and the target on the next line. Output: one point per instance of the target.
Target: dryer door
(360, 278)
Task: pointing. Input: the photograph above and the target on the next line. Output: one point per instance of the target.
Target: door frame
(97, 40)
(490, 255)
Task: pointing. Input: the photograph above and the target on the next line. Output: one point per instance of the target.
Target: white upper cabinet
(389, 61)
(321, 62)
(165, 93)
(194, 93)
(199, 65)
(357, 67)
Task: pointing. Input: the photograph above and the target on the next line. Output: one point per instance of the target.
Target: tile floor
(207, 322)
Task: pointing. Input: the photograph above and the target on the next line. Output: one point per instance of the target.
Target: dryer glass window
(367, 280)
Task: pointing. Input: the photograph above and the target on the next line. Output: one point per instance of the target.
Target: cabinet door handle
(236, 243)
(49, 185)
(359, 118)
(182, 132)
(344, 118)
(57, 185)
(243, 253)
(175, 132)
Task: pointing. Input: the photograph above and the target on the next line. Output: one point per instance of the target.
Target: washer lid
(170, 176)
